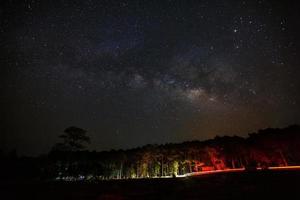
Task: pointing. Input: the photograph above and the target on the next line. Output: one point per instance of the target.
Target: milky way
(139, 72)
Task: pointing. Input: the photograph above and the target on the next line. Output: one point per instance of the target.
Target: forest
(69, 160)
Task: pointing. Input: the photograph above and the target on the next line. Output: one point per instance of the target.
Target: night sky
(146, 72)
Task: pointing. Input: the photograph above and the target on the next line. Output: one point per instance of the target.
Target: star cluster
(139, 72)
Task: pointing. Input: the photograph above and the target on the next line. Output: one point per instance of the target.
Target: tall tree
(74, 139)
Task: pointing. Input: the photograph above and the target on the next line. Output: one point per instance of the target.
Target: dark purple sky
(139, 72)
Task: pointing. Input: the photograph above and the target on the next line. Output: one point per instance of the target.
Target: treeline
(268, 147)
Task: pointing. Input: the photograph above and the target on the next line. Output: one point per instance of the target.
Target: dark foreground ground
(238, 185)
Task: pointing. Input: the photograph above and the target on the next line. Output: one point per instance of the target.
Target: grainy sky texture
(139, 72)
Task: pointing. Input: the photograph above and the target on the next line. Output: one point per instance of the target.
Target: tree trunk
(283, 158)
(162, 166)
(232, 164)
(121, 169)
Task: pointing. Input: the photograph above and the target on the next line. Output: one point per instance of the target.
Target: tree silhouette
(74, 139)
(269, 147)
